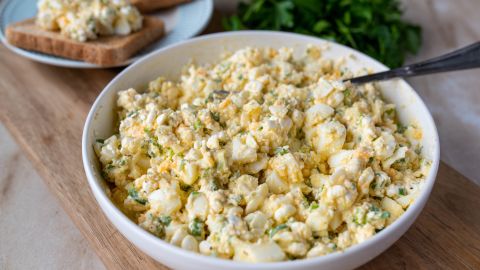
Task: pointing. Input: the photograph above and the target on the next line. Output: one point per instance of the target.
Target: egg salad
(262, 157)
(84, 20)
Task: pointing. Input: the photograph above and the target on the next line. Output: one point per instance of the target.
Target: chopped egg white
(262, 157)
(84, 20)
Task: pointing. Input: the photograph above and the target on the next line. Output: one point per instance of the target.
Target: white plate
(181, 22)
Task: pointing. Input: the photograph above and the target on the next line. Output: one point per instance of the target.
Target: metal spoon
(464, 58)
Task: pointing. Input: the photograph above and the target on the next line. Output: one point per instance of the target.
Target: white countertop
(37, 234)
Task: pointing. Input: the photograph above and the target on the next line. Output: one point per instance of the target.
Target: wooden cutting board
(44, 107)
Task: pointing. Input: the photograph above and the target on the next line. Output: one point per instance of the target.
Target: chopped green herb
(281, 151)
(170, 153)
(148, 131)
(215, 116)
(402, 191)
(390, 111)
(196, 227)
(214, 185)
(314, 205)
(207, 173)
(198, 124)
(134, 195)
(100, 141)
(165, 220)
(359, 217)
(277, 229)
(182, 164)
(373, 208)
(123, 162)
(209, 98)
(401, 128)
(132, 113)
(109, 167)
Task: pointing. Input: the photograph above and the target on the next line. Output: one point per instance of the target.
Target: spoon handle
(464, 58)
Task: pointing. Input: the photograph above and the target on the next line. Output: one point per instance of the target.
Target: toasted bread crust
(105, 51)
(146, 6)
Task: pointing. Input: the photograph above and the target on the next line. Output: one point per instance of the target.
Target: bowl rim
(107, 205)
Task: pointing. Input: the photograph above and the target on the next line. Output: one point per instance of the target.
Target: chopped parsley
(385, 214)
(132, 113)
(198, 124)
(165, 220)
(281, 151)
(196, 227)
(390, 111)
(277, 229)
(401, 128)
(215, 116)
(134, 195)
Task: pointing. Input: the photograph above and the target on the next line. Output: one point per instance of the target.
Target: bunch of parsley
(374, 27)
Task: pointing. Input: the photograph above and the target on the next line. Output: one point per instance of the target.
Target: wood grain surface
(45, 107)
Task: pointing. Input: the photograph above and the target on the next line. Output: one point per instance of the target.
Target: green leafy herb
(134, 195)
(165, 220)
(109, 167)
(147, 131)
(374, 27)
(182, 164)
(196, 227)
(281, 151)
(390, 111)
(215, 116)
(401, 128)
(277, 229)
(198, 124)
(132, 113)
(314, 205)
(402, 191)
(373, 208)
(123, 162)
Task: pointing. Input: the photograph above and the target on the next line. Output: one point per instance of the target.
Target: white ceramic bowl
(207, 49)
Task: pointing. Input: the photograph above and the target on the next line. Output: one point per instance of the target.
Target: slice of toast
(104, 51)
(146, 6)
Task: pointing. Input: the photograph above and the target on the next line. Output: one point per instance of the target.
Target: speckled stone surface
(35, 231)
